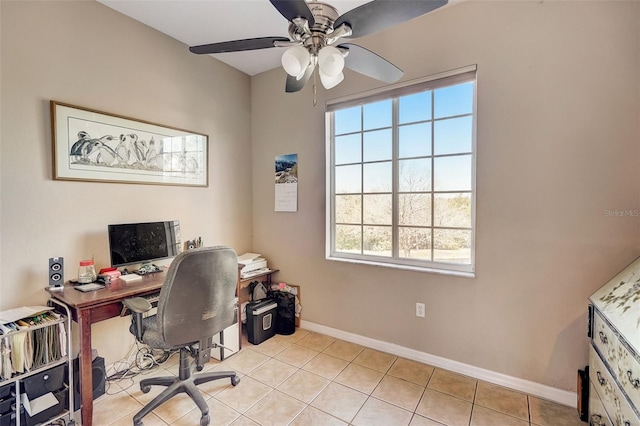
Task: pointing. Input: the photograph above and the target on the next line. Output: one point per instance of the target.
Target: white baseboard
(526, 386)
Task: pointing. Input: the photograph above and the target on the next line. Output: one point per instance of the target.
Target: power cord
(141, 359)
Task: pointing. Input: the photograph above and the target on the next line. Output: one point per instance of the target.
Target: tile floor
(312, 379)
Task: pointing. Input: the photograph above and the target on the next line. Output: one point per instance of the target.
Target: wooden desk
(95, 306)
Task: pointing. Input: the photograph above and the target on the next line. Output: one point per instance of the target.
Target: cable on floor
(140, 359)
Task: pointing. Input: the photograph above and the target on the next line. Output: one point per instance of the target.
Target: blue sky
(451, 135)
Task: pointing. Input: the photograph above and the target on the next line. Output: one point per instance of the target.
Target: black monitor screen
(131, 243)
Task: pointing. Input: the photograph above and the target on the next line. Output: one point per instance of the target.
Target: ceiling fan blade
(291, 9)
(368, 63)
(379, 15)
(294, 85)
(237, 45)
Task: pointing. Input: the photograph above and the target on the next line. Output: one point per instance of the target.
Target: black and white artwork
(97, 146)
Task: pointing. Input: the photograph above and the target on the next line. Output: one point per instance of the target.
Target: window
(401, 175)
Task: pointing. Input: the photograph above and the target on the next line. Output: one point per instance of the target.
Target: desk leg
(86, 369)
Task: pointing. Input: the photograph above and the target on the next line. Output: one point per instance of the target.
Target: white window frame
(445, 79)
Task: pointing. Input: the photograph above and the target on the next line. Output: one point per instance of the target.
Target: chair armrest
(137, 306)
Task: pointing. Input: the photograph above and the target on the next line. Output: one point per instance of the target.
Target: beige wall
(86, 54)
(559, 103)
(558, 144)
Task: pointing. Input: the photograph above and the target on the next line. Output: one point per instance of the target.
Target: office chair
(197, 301)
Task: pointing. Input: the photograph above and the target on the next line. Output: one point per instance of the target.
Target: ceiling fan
(315, 31)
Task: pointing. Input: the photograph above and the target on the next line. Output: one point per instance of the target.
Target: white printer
(253, 264)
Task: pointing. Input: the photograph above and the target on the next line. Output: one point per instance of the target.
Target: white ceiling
(196, 22)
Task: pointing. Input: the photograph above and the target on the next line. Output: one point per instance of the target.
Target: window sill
(449, 272)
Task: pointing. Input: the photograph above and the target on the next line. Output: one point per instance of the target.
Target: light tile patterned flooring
(312, 379)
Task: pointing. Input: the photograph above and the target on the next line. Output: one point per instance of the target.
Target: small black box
(43, 416)
(6, 405)
(5, 391)
(583, 394)
(98, 376)
(8, 419)
(47, 381)
(261, 320)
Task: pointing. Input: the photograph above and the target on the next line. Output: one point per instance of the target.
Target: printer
(253, 264)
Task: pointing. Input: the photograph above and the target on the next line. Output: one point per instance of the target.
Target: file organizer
(32, 366)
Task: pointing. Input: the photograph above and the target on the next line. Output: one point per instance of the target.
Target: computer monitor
(140, 243)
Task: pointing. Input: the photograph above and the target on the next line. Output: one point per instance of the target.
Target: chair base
(186, 383)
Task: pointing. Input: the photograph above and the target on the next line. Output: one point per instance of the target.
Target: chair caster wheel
(204, 420)
(145, 389)
(235, 380)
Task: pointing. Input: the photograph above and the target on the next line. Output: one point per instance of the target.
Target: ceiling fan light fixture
(304, 71)
(315, 29)
(295, 60)
(330, 81)
(331, 61)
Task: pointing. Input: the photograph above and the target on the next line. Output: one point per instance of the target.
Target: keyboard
(130, 277)
(152, 298)
(89, 287)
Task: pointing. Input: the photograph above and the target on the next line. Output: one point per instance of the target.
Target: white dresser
(614, 364)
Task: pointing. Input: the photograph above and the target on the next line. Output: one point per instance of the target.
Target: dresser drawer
(597, 414)
(601, 380)
(628, 374)
(615, 403)
(605, 339)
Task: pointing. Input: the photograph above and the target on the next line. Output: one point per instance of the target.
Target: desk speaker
(99, 374)
(56, 265)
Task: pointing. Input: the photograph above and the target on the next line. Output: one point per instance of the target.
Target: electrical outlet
(420, 310)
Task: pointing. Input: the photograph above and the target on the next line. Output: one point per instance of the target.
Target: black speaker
(56, 269)
(99, 375)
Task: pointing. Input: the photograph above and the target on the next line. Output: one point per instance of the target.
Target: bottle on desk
(86, 272)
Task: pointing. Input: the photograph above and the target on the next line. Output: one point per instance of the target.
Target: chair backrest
(198, 297)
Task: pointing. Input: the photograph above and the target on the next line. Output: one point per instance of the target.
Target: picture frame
(97, 146)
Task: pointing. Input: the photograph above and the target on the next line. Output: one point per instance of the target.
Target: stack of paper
(11, 315)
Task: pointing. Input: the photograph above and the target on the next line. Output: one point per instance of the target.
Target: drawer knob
(601, 379)
(603, 338)
(627, 423)
(634, 382)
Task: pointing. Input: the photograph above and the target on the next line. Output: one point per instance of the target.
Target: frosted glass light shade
(330, 81)
(331, 61)
(295, 60)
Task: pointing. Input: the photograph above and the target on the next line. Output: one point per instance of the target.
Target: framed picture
(90, 145)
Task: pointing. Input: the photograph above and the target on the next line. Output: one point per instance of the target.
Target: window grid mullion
(433, 175)
(332, 181)
(362, 179)
(395, 198)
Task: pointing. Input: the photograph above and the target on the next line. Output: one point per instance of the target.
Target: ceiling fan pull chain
(315, 100)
